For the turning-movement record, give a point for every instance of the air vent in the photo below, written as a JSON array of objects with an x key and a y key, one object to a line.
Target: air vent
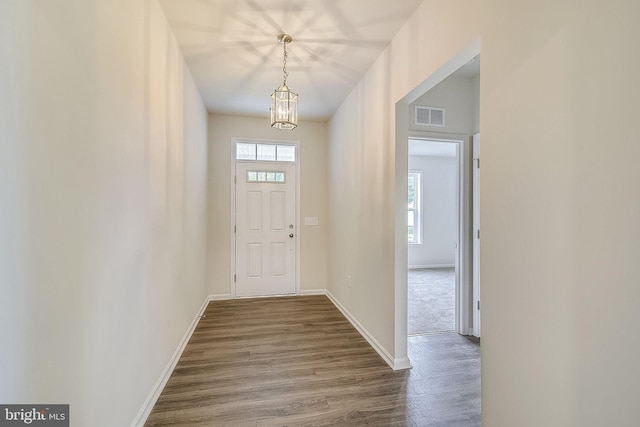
[{"x": 429, "y": 116}]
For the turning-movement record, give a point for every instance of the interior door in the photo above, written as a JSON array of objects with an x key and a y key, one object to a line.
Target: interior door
[{"x": 265, "y": 229}]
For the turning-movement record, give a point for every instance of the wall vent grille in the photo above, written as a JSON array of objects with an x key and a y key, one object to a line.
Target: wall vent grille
[{"x": 429, "y": 116}]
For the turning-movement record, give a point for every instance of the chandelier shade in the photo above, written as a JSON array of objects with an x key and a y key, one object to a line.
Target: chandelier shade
[
  {"x": 284, "y": 108},
  {"x": 284, "y": 102}
]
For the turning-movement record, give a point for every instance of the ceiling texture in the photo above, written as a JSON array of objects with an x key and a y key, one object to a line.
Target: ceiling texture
[{"x": 232, "y": 50}]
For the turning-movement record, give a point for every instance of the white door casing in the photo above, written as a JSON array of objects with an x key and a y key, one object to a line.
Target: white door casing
[
  {"x": 476, "y": 235},
  {"x": 265, "y": 229}
]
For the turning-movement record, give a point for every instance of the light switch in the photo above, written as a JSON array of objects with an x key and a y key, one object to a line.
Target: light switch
[{"x": 310, "y": 220}]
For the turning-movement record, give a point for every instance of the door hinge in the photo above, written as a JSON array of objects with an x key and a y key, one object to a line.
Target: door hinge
[
  {"x": 235, "y": 179},
  {"x": 478, "y": 163},
  {"x": 478, "y": 304},
  {"x": 234, "y": 278},
  {"x": 478, "y": 233},
  {"x": 234, "y": 229}
]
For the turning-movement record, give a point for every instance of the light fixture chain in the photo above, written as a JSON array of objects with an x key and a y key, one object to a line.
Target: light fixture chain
[{"x": 284, "y": 64}]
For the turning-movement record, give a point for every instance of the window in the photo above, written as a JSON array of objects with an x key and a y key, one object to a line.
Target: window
[
  {"x": 414, "y": 218},
  {"x": 265, "y": 152},
  {"x": 266, "y": 176},
  {"x": 245, "y": 151}
]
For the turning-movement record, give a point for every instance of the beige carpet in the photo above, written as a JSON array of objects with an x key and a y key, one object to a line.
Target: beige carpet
[{"x": 432, "y": 300}]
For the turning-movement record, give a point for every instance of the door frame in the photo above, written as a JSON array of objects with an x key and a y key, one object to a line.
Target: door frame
[
  {"x": 462, "y": 261},
  {"x": 232, "y": 218},
  {"x": 476, "y": 179},
  {"x": 400, "y": 130}
]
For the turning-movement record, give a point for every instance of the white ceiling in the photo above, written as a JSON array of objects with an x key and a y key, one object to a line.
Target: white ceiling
[{"x": 232, "y": 50}]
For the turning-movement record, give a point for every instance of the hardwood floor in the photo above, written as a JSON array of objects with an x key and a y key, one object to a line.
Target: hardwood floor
[{"x": 298, "y": 362}]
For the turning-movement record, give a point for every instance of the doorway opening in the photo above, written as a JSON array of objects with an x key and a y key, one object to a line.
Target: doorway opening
[
  {"x": 445, "y": 107},
  {"x": 433, "y": 277}
]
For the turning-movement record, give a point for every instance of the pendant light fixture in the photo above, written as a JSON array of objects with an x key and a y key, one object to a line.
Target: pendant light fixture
[{"x": 284, "y": 103}]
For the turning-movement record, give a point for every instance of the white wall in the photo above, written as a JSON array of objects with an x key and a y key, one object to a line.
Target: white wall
[
  {"x": 367, "y": 171},
  {"x": 313, "y": 193},
  {"x": 456, "y": 96},
  {"x": 103, "y": 221},
  {"x": 439, "y": 212},
  {"x": 560, "y": 206},
  {"x": 559, "y": 104}
]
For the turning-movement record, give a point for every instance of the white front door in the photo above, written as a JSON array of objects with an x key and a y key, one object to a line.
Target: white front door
[{"x": 265, "y": 229}]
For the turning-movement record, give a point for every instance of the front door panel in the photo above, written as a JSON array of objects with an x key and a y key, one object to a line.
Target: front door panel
[{"x": 265, "y": 229}]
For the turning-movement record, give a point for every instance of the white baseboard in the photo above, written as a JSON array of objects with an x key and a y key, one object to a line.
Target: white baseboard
[
  {"x": 148, "y": 405},
  {"x": 415, "y": 267},
  {"x": 400, "y": 364},
  {"x": 313, "y": 292},
  {"x": 393, "y": 363},
  {"x": 220, "y": 297}
]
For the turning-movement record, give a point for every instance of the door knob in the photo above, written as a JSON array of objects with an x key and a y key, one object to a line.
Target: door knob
[{"x": 291, "y": 235}]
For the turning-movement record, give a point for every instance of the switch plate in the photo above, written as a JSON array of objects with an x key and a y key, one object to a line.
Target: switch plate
[{"x": 310, "y": 220}]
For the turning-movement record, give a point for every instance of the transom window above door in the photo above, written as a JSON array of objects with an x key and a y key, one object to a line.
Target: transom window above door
[{"x": 265, "y": 152}]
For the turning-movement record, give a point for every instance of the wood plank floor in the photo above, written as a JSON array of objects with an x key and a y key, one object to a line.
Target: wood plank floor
[{"x": 298, "y": 362}]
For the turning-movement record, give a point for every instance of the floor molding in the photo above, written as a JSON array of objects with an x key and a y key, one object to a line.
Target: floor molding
[
  {"x": 418, "y": 267},
  {"x": 393, "y": 363},
  {"x": 148, "y": 405},
  {"x": 313, "y": 292},
  {"x": 220, "y": 297}
]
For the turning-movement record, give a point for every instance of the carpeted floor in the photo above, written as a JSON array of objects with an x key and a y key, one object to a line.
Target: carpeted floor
[{"x": 432, "y": 300}]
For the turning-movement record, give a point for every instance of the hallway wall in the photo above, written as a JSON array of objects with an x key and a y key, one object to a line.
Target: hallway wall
[
  {"x": 559, "y": 102},
  {"x": 367, "y": 172},
  {"x": 103, "y": 161},
  {"x": 560, "y": 205},
  {"x": 313, "y": 193}
]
